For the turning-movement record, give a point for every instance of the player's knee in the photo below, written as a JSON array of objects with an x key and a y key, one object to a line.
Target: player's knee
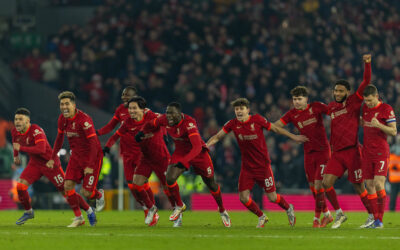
[
  {"x": 272, "y": 198},
  {"x": 86, "y": 193},
  {"x": 243, "y": 199},
  {"x": 326, "y": 183},
  {"x": 170, "y": 180}
]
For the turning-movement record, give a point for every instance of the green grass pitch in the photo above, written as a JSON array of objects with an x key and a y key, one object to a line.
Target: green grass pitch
[{"x": 200, "y": 230}]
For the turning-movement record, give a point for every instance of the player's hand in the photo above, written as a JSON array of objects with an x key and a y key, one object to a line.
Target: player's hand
[
  {"x": 300, "y": 138},
  {"x": 16, "y": 146},
  {"x": 17, "y": 161},
  {"x": 106, "y": 150},
  {"x": 50, "y": 164},
  {"x": 375, "y": 123},
  {"x": 139, "y": 136},
  {"x": 367, "y": 58}
]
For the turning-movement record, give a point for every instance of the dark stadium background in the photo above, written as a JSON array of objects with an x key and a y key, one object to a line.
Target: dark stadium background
[{"x": 202, "y": 53}]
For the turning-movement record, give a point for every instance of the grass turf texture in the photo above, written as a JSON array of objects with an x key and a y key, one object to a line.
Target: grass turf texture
[{"x": 200, "y": 230}]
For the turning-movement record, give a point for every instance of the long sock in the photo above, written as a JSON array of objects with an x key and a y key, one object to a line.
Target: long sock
[
  {"x": 23, "y": 196},
  {"x": 253, "y": 207},
  {"x": 281, "y": 202},
  {"x": 373, "y": 201},
  {"x": 95, "y": 195},
  {"x": 73, "y": 201},
  {"x": 135, "y": 194},
  {"x": 317, "y": 209},
  {"x": 149, "y": 192},
  {"x": 82, "y": 203},
  {"x": 381, "y": 203},
  {"x": 174, "y": 191},
  {"x": 365, "y": 201},
  {"x": 170, "y": 198},
  {"x": 332, "y": 197},
  {"x": 320, "y": 202},
  {"x": 143, "y": 195},
  {"x": 218, "y": 198}
]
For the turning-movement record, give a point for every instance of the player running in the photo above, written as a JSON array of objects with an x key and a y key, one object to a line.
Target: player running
[
  {"x": 346, "y": 150},
  {"x": 256, "y": 164},
  {"x": 307, "y": 118},
  {"x": 31, "y": 139},
  {"x": 379, "y": 121},
  {"x": 154, "y": 156},
  {"x": 190, "y": 150},
  {"x": 86, "y": 158}
]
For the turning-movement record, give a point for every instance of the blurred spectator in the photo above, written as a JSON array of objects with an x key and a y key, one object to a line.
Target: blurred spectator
[{"x": 51, "y": 70}]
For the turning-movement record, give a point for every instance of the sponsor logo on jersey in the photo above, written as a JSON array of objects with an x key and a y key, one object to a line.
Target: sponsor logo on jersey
[
  {"x": 338, "y": 113},
  {"x": 247, "y": 137}
]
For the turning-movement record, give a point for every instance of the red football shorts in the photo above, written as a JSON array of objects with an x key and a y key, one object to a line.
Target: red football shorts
[
  {"x": 34, "y": 171},
  {"x": 348, "y": 159},
  {"x": 157, "y": 164},
  {"x": 76, "y": 172},
  {"x": 375, "y": 167},
  {"x": 264, "y": 178},
  {"x": 202, "y": 164},
  {"x": 315, "y": 164}
]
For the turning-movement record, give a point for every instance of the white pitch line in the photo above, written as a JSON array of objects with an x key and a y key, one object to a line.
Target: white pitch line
[{"x": 203, "y": 236}]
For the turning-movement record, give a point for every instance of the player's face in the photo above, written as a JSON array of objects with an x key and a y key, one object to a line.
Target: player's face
[
  {"x": 67, "y": 107},
  {"x": 127, "y": 94},
  {"x": 242, "y": 113},
  {"x": 300, "y": 102},
  {"x": 135, "y": 111},
  {"x": 173, "y": 116},
  {"x": 340, "y": 93},
  {"x": 371, "y": 100},
  {"x": 21, "y": 123}
]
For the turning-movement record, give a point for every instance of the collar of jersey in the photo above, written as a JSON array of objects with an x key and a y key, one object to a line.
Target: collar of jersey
[
  {"x": 246, "y": 120},
  {"x": 379, "y": 104},
  {"x": 299, "y": 111},
  {"x": 76, "y": 112},
  {"x": 25, "y": 131}
]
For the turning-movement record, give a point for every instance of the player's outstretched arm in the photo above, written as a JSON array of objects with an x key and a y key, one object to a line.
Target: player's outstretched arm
[
  {"x": 196, "y": 142},
  {"x": 39, "y": 148},
  {"x": 216, "y": 138},
  {"x": 279, "y": 124},
  {"x": 108, "y": 127},
  {"x": 367, "y": 75},
  {"x": 296, "y": 138},
  {"x": 389, "y": 129}
]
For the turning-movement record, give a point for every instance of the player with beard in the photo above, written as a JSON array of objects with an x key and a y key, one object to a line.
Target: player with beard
[{"x": 346, "y": 150}]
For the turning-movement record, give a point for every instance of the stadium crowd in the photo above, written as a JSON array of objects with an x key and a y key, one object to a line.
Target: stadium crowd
[{"x": 206, "y": 53}]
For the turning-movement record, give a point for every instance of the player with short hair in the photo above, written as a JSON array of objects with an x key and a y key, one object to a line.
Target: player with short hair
[
  {"x": 190, "y": 150},
  {"x": 31, "y": 139},
  {"x": 346, "y": 151},
  {"x": 154, "y": 155},
  {"x": 256, "y": 164},
  {"x": 307, "y": 118},
  {"x": 86, "y": 158},
  {"x": 379, "y": 121}
]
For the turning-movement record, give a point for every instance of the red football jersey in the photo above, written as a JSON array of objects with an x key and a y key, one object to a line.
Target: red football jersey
[
  {"x": 375, "y": 140},
  {"x": 79, "y": 130},
  {"x": 152, "y": 145},
  {"x": 310, "y": 123},
  {"x": 35, "y": 144},
  {"x": 345, "y": 117},
  {"x": 251, "y": 140}
]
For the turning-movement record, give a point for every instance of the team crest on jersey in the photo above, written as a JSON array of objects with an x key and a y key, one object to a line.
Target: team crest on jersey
[
  {"x": 87, "y": 125},
  {"x": 191, "y": 126},
  {"x": 391, "y": 114},
  {"x": 178, "y": 131},
  {"x": 252, "y": 127},
  {"x": 133, "y": 128},
  {"x": 311, "y": 112},
  {"x": 36, "y": 132},
  {"x": 73, "y": 125},
  {"x": 376, "y": 114},
  {"x": 240, "y": 137},
  {"x": 27, "y": 140}
]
